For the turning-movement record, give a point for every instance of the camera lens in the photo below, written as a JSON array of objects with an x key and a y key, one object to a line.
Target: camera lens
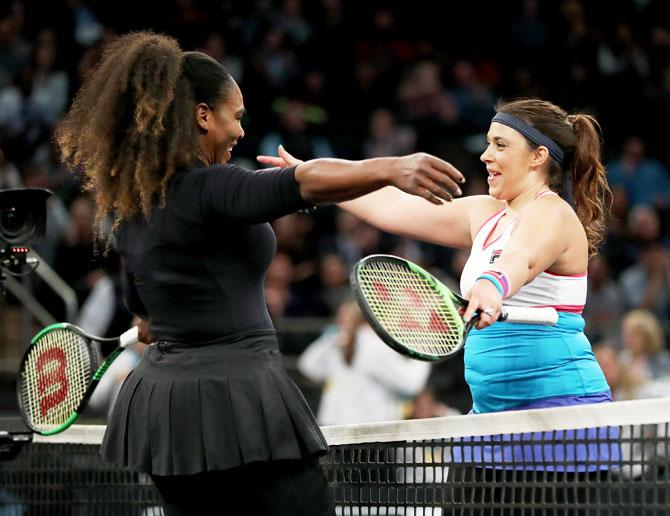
[
  {"x": 14, "y": 224},
  {"x": 23, "y": 215}
]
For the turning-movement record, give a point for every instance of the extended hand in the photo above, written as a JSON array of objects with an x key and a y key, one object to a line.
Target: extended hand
[
  {"x": 144, "y": 332},
  {"x": 283, "y": 160},
  {"x": 427, "y": 176},
  {"x": 485, "y": 299}
]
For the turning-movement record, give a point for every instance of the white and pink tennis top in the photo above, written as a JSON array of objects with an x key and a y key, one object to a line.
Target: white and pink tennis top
[{"x": 562, "y": 292}]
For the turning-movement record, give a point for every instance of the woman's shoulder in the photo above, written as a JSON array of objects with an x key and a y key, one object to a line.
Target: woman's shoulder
[
  {"x": 198, "y": 173},
  {"x": 549, "y": 208},
  {"x": 482, "y": 208}
]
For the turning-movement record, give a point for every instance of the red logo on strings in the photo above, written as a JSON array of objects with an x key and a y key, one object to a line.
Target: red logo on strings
[
  {"x": 413, "y": 300},
  {"x": 51, "y": 370},
  {"x": 381, "y": 291}
]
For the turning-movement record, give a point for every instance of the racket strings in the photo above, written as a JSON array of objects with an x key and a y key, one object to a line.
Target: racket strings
[
  {"x": 54, "y": 379},
  {"x": 410, "y": 309}
]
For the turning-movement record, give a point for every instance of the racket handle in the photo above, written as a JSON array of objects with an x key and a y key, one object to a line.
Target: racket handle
[
  {"x": 528, "y": 315},
  {"x": 129, "y": 337}
]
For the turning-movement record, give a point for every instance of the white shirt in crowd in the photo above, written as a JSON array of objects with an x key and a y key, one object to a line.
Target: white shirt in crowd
[{"x": 374, "y": 387}]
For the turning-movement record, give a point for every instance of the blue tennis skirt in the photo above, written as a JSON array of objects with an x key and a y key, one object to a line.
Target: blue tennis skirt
[
  {"x": 510, "y": 366},
  {"x": 578, "y": 450}
]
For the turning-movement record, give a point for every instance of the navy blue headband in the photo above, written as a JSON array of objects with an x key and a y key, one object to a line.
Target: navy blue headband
[{"x": 531, "y": 133}]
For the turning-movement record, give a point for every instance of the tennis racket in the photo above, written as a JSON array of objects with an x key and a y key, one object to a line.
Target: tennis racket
[
  {"x": 415, "y": 314},
  {"x": 59, "y": 372}
]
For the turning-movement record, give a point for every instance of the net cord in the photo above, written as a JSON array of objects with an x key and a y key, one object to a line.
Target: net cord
[
  {"x": 618, "y": 413},
  {"x": 635, "y": 412}
]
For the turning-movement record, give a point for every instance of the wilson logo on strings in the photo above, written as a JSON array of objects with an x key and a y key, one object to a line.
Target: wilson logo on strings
[
  {"x": 52, "y": 380},
  {"x": 409, "y": 300}
]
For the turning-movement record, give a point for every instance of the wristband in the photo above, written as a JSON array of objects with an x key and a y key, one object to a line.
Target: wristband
[
  {"x": 494, "y": 280},
  {"x": 502, "y": 279}
]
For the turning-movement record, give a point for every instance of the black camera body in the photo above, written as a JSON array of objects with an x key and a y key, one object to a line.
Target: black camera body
[
  {"x": 23, "y": 215},
  {"x": 23, "y": 220}
]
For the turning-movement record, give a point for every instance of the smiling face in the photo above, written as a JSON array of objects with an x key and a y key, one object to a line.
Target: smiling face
[
  {"x": 221, "y": 126},
  {"x": 509, "y": 161}
]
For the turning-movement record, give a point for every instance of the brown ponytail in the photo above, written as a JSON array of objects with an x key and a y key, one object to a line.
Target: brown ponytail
[
  {"x": 578, "y": 136},
  {"x": 590, "y": 191}
]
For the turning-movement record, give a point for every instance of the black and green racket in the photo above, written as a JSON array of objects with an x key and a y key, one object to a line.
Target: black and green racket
[
  {"x": 415, "y": 314},
  {"x": 59, "y": 372}
]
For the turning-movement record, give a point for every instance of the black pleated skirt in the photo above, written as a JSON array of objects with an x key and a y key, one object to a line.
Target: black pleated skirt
[{"x": 185, "y": 410}]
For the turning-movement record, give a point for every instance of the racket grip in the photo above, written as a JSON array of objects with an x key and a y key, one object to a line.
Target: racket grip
[
  {"x": 129, "y": 337},
  {"x": 527, "y": 315}
]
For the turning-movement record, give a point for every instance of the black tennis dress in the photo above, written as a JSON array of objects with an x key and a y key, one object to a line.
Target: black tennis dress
[{"x": 212, "y": 394}]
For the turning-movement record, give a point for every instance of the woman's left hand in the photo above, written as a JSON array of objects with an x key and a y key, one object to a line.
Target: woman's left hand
[
  {"x": 486, "y": 299},
  {"x": 283, "y": 160}
]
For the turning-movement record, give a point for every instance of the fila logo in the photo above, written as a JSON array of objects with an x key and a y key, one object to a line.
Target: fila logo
[{"x": 495, "y": 255}]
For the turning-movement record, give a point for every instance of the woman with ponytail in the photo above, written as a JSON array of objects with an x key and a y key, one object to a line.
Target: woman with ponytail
[
  {"x": 210, "y": 412},
  {"x": 529, "y": 247}
]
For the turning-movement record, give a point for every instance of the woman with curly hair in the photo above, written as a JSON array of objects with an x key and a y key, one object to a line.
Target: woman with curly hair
[{"x": 210, "y": 412}]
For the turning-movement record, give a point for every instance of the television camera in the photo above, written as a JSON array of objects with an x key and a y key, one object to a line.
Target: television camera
[{"x": 23, "y": 215}]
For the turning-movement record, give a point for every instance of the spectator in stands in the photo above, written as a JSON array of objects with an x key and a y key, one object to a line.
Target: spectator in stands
[
  {"x": 364, "y": 379},
  {"x": 647, "y": 284},
  {"x": 473, "y": 97},
  {"x": 9, "y": 174},
  {"x": 387, "y": 138},
  {"x": 603, "y": 300},
  {"x": 75, "y": 259},
  {"x": 354, "y": 238},
  {"x": 51, "y": 84},
  {"x": 215, "y": 47},
  {"x": 291, "y": 20},
  {"x": 644, "y": 352},
  {"x": 426, "y": 404},
  {"x": 22, "y": 121},
  {"x": 278, "y": 280},
  {"x": 295, "y": 131},
  {"x": 58, "y": 216},
  {"x": 334, "y": 280},
  {"x": 644, "y": 180},
  {"x": 14, "y": 49}
]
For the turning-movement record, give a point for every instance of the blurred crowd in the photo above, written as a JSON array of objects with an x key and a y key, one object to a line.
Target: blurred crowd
[{"x": 363, "y": 79}]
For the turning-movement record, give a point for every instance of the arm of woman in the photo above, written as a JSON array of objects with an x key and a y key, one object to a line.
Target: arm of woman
[
  {"x": 403, "y": 210},
  {"x": 449, "y": 225},
  {"x": 543, "y": 233},
  {"x": 335, "y": 180},
  {"x": 233, "y": 192}
]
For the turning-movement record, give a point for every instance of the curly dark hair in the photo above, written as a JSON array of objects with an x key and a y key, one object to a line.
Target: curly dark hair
[
  {"x": 578, "y": 135},
  {"x": 132, "y": 124}
]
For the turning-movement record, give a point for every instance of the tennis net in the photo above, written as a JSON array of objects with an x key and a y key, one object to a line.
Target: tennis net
[{"x": 606, "y": 459}]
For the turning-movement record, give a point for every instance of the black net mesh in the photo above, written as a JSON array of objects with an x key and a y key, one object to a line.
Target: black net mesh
[{"x": 384, "y": 469}]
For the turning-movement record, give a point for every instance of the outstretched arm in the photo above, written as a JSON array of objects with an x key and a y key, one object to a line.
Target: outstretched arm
[
  {"x": 334, "y": 180},
  {"x": 545, "y": 232},
  {"x": 403, "y": 210}
]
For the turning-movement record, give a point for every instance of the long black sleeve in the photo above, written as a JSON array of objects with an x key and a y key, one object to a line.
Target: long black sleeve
[
  {"x": 130, "y": 295},
  {"x": 235, "y": 193},
  {"x": 197, "y": 266}
]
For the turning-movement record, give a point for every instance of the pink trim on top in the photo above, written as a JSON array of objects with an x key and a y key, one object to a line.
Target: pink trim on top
[
  {"x": 487, "y": 221},
  {"x": 486, "y": 244},
  {"x": 574, "y": 309},
  {"x": 546, "y": 192},
  {"x": 580, "y": 275}
]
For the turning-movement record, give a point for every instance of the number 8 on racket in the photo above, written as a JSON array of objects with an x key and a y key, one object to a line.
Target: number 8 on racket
[
  {"x": 59, "y": 372},
  {"x": 417, "y": 315}
]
